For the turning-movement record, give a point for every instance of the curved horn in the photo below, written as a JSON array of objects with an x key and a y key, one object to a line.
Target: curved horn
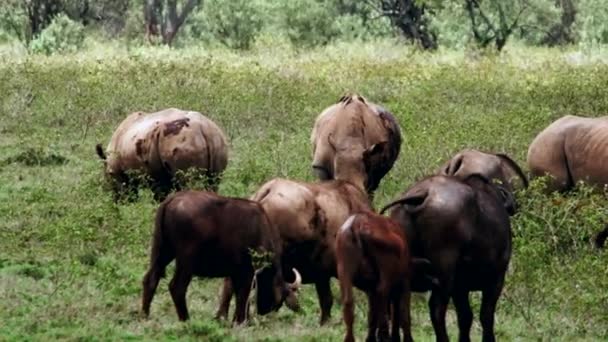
[
  {"x": 296, "y": 283},
  {"x": 515, "y": 167}
]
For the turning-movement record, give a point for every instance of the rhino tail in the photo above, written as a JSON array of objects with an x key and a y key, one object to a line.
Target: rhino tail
[
  {"x": 100, "y": 152},
  {"x": 514, "y": 167}
]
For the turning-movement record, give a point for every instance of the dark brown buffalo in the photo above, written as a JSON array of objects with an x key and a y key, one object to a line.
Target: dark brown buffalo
[
  {"x": 213, "y": 236},
  {"x": 372, "y": 254},
  {"x": 308, "y": 216},
  {"x": 490, "y": 165},
  {"x": 356, "y": 141},
  {"x": 160, "y": 144},
  {"x": 463, "y": 228}
]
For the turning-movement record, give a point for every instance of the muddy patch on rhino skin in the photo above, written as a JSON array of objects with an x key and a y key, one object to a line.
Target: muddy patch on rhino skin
[{"x": 175, "y": 126}]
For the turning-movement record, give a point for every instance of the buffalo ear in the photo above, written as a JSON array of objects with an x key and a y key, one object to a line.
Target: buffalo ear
[
  {"x": 375, "y": 149},
  {"x": 508, "y": 200}
]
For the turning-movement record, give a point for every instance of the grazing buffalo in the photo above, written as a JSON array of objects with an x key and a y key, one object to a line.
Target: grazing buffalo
[
  {"x": 213, "y": 236},
  {"x": 308, "y": 216},
  {"x": 490, "y": 165},
  {"x": 571, "y": 149},
  {"x": 463, "y": 228},
  {"x": 355, "y": 140},
  {"x": 372, "y": 254},
  {"x": 159, "y": 144}
]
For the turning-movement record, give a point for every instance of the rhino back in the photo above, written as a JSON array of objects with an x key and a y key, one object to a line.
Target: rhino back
[
  {"x": 191, "y": 140},
  {"x": 586, "y": 149}
]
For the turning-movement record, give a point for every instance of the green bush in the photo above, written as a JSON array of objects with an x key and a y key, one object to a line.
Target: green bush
[
  {"x": 233, "y": 23},
  {"x": 592, "y": 22},
  {"x": 61, "y": 36},
  {"x": 310, "y": 23}
]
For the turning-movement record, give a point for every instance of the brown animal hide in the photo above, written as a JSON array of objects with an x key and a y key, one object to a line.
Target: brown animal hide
[
  {"x": 356, "y": 141},
  {"x": 162, "y": 143}
]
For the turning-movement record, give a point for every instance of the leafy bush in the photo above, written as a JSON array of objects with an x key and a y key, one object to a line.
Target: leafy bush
[
  {"x": 592, "y": 22},
  {"x": 233, "y": 23},
  {"x": 61, "y": 36},
  {"x": 309, "y": 23}
]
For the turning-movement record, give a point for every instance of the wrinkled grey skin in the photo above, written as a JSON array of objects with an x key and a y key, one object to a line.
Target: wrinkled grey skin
[
  {"x": 570, "y": 150},
  {"x": 493, "y": 166},
  {"x": 355, "y": 141}
]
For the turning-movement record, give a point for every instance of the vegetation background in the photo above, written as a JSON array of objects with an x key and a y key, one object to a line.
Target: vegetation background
[{"x": 464, "y": 73}]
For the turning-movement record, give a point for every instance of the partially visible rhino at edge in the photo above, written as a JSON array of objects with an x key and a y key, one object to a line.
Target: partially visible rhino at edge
[
  {"x": 571, "y": 149},
  {"x": 356, "y": 141},
  {"x": 159, "y": 144}
]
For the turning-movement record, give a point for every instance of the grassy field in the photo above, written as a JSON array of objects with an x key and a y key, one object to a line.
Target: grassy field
[{"x": 71, "y": 260}]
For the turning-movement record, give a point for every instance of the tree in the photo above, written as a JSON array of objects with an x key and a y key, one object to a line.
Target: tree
[
  {"x": 162, "y": 18},
  {"x": 561, "y": 33},
  {"x": 27, "y": 18},
  {"x": 496, "y": 21},
  {"x": 409, "y": 16}
]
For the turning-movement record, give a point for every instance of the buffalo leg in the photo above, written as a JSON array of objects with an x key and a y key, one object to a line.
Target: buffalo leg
[
  {"x": 372, "y": 317},
  {"x": 242, "y": 288},
  {"x": 401, "y": 316},
  {"x": 348, "y": 310},
  {"x": 325, "y": 299},
  {"x": 488, "y": 308},
  {"x": 178, "y": 287},
  {"x": 225, "y": 298},
  {"x": 438, "y": 304},
  {"x": 152, "y": 277},
  {"x": 465, "y": 315},
  {"x": 382, "y": 309}
]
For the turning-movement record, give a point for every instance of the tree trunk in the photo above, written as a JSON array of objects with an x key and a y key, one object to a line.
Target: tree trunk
[
  {"x": 40, "y": 14},
  {"x": 409, "y": 18},
  {"x": 561, "y": 33},
  {"x": 166, "y": 25}
]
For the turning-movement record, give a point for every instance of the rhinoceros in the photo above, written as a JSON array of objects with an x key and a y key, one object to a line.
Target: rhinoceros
[
  {"x": 159, "y": 144},
  {"x": 355, "y": 140},
  {"x": 571, "y": 149}
]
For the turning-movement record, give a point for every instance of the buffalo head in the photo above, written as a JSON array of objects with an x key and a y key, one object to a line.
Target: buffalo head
[{"x": 273, "y": 291}]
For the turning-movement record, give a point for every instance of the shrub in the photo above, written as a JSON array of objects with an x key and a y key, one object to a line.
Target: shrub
[
  {"x": 233, "y": 23},
  {"x": 61, "y": 36},
  {"x": 309, "y": 23}
]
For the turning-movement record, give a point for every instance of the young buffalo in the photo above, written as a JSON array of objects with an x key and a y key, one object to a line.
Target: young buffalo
[
  {"x": 463, "y": 228},
  {"x": 213, "y": 236},
  {"x": 372, "y": 254}
]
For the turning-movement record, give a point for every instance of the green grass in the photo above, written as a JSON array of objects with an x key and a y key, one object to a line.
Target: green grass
[{"x": 71, "y": 260}]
